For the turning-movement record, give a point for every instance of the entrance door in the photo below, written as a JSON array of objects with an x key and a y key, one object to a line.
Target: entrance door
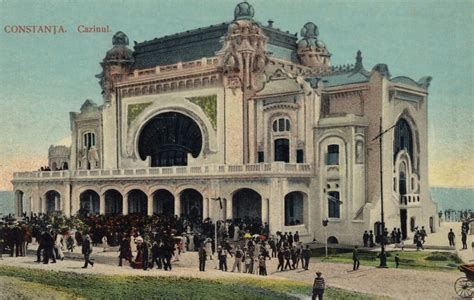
[{"x": 403, "y": 223}]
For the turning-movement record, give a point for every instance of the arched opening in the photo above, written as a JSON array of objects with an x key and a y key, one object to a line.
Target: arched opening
[
  {"x": 137, "y": 202},
  {"x": 282, "y": 150},
  {"x": 53, "y": 201},
  {"x": 113, "y": 202},
  {"x": 163, "y": 203},
  {"x": 403, "y": 139},
  {"x": 332, "y": 240},
  {"x": 294, "y": 209},
  {"x": 168, "y": 138},
  {"x": 65, "y": 166},
  {"x": 191, "y": 205},
  {"x": 247, "y": 205},
  {"x": 89, "y": 202},
  {"x": 54, "y": 166}
]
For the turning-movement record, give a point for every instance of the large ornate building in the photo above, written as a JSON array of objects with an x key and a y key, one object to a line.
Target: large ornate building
[{"x": 241, "y": 119}]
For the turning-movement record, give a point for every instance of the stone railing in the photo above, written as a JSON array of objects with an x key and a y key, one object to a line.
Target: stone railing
[
  {"x": 200, "y": 63},
  {"x": 410, "y": 199},
  {"x": 250, "y": 170}
]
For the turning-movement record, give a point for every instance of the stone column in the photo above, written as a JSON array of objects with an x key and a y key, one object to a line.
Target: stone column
[
  {"x": 102, "y": 204},
  {"x": 228, "y": 209},
  {"x": 177, "y": 205},
  {"x": 205, "y": 208},
  {"x": 125, "y": 205},
  {"x": 66, "y": 202},
  {"x": 265, "y": 207},
  {"x": 149, "y": 205},
  {"x": 43, "y": 204}
]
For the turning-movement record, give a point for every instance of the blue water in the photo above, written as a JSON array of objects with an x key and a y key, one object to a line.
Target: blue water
[{"x": 447, "y": 198}]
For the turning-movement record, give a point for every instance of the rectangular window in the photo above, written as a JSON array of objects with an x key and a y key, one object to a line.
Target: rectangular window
[
  {"x": 334, "y": 210},
  {"x": 333, "y": 155},
  {"x": 299, "y": 156},
  {"x": 261, "y": 157}
]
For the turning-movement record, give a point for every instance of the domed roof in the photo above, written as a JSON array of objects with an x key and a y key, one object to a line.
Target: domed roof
[
  {"x": 309, "y": 30},
  {"x": 243, "y": 10},
  {"x": 119, "y": 52}
]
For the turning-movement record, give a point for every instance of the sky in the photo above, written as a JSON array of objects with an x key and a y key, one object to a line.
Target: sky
[{"x": 43, "y": 77}]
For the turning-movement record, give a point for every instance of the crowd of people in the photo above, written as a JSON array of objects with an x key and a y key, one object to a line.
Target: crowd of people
[{"x": 452, "y": 215}]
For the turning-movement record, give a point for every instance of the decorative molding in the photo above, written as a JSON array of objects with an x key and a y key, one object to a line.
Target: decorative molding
[
  {"x": 209, "y": 105},
  {"x": 133, "y": 110}
]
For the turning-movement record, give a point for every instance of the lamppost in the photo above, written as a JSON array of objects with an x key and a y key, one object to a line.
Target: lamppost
[
  {"x": 383, "y": 256},
  {"x": 217, "y": 221},
  {"x": 325, "y": 224}
]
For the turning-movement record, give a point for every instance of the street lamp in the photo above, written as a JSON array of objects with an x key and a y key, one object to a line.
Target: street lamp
[{"x": 383, "y": 256}]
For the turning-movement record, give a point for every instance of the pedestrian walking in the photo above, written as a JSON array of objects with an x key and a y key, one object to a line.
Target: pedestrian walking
[
  {"x": 202, "y": 258},
  {"x": 104, "y": 243},
  {"x": 371, "y": 239},
  {"x": 86, "y": 251},
  {"x": 318, "y": 287},
  {"x": 464, "y": 239},
  {"x": 451, "y": 237},
  {"x": 365, "y": 239},
  {"x": 355, "y": 259},
  {"x": 306, "y": 257},
  {"x": 222, "y": 256},
  {"x": 397, "y": 261}
]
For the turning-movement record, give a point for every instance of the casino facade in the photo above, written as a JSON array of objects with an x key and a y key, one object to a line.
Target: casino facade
[{"x": 241, "y": 119}]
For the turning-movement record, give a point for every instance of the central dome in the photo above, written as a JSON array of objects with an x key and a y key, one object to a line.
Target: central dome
[{"x": 243, "y": 10}]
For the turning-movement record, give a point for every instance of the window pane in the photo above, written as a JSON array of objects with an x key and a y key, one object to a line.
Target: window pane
[
  {"x": 333, "y": 155},
  {"x": 333, "y": 205},
  {"x": 275, "y": 125},
  {"x": 288, "y": 125},
  {"x": 261, "y": 157},
  {"x": 299, "y": 156},
  {"x": 281, "y": 125}
]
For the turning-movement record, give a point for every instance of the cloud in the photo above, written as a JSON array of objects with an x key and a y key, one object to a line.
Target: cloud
[
  {"x": 452, "y": 172},
  {"x": 65, "y": 141},
  {"x": 19, "y": 164}
]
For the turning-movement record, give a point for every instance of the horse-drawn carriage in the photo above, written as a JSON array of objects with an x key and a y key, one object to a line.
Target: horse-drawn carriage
[{"x": 464, "y": 285}]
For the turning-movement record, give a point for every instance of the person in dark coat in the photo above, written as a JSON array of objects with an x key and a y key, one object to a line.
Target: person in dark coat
[
  {"x": 306, "y": 257},
  {"x": 397, "y": 261},
  {"x": 155, "y": 255},
  {"x": 144, "y": 247},
  {"x": 167, "y": 250},
  {"x": 125, "y": 251},
  {"x": 18, "y": 240},
  {"x": 371, "y": 239},
  {"x": 2, "y": 240},
  {"x": 281, "y": 259},
  {"x": 355, "y": 259},
  {"x": 202, "y": 258},
  {"x": 86, "y": 251},
  {"x": 48, "y": 242},
  {"x": 451, "y": 237},
  {"x": 365, "y": 239},
  {"x": 464, "y": 239},
  {"x": 287, "y": 256}
]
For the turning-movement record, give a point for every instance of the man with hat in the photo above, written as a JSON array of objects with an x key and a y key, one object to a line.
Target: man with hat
[{"x": 318, "y": 287}]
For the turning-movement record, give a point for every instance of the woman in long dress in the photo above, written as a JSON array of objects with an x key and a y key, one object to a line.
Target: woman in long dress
[{"x": 208, "y": 246}]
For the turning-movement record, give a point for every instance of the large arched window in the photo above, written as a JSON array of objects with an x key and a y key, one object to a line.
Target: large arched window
[
  {"x": 294, "y": 209},
  {"x": 168, "y": 138},
  {"x": 403, "y": 139},
  {"x": 281, "y": 125},
  {"x": 89, "y": 140}
]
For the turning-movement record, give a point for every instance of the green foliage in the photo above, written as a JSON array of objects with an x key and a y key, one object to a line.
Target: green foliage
[
  {"x": 440, "y": 261},
  {"x": 209, "y": 105},
  {"x": 134, "y": 110},
  {"x": 90, "y": 286}
]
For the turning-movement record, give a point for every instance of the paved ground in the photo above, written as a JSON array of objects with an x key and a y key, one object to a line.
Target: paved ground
[
  {"x": 441, "y": 239},
  {"x": 393, "y": 283}
]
